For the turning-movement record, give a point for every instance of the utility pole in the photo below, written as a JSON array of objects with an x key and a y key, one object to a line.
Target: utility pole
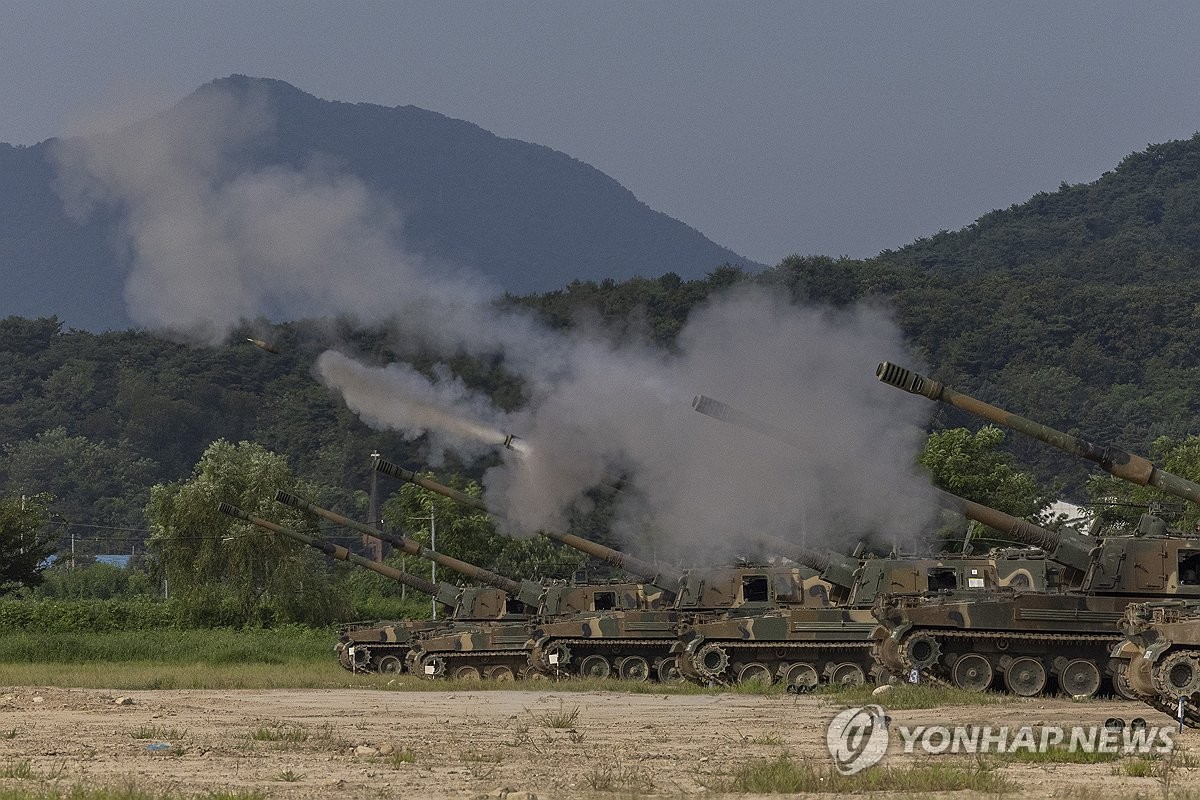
[
  {"x": 370, "y": 544},
  {"x": 432, "y": 520}
]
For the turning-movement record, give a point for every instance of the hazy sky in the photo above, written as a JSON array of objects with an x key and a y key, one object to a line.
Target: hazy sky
[{"x": 773, "y": 128}]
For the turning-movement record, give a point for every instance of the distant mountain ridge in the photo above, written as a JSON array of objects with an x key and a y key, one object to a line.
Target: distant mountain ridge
[
  {"x": 528, "y": 217},
  {"x": 1137, "y": 223}
]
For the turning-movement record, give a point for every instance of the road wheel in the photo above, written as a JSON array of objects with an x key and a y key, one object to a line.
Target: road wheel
[
  {"x": 391, "y": 664},
  {"x": 754, "y": 672},
  {"x": 668, "y": 671},
  {"x": 800, "y": 677},
  {"x": 500, "y": 673},
  {"x": 634, "y": 668},
  {"x": 1080, "y": 678},
  {"x": 465, "y": 672},
  {"x": 847, "y": 674},
  {"x": 972, "y": 672},
  {"x": 1025, "y": 676},
  {"x": 595, "y": 666}
]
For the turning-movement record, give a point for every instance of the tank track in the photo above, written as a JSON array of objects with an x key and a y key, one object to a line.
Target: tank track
[
  {"x": 783, "y": 653},
  {"x": 447, "y": 662},
  {"x": 611, "y": 647},
  {"x": 935, "y": 674},
  {"x": 376, "y": 653},
  {"x": 1165, "y": 699},
  {"x": 1191, "y": 709}
]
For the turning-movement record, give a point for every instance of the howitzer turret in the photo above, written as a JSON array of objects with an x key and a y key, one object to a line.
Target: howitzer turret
[
  {"x": 1066, "y": 546},
  {"x": 527, "y": 592},
  {"x": 444, "y": 593},
  {"x": 835, "y": 568},
  {"x": 384, "y": 647},
  {"x": 661, "y": 577},
  {"x": 1126, "y": 466}
]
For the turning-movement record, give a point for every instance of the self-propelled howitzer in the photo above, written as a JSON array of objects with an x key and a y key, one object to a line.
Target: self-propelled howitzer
[
  {"x": 806, "y": 644},
  {"x": 1161, "y": 654},
  {"x": 382, "y": 648},
  {"x": 461, "y": 654},
  {"x": 1032, "y": 640},
  {"x": 1010, "y": 635},
  {"x": 635, "y": 643},
  {"x": 738, "y": 624}
]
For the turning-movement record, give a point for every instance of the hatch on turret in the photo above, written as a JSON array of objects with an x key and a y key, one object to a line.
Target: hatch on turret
[
  {"x": 788, "y": 590},
  {"x": 755, "y": 589},
  {"x": 943, "y": 579},
  {"x": 1150, "y": 567},
  {"x": 1189, "y": 567},
  {"x": 515, "y": 607}
]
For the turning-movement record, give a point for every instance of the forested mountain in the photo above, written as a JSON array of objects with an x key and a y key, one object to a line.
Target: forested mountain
[
  {"x": 1078, "y": 308},
  {"x": 528, "y": 217}
]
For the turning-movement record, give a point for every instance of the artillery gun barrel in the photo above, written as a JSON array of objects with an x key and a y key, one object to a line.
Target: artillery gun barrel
[
  {"x": 664, "y": 578},
  {"x": 408, "y": 476},
  {"x": 1126, "y": 466},
  {"x": 340, "y": 553},
  {"x": 734, "y": 416},
  {"x": 406, "y": 544},
  {"x": 833, "y": 567},
  {"x": 1066, "y": 546}
]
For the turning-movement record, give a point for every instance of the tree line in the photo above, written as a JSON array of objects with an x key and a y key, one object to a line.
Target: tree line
[{"x": 1077, "y": 309}]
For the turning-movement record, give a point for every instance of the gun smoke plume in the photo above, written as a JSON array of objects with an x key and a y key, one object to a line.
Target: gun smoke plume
[{"x": 213, "y": 240}]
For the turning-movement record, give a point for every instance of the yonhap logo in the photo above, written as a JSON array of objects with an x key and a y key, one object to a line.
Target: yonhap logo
[{"x": 857, "y": 738}]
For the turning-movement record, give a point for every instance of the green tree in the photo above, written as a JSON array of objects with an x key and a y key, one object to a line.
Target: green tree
[
  {"x": 462, "y": 532},
  {"x": 470, "y": 534},
  {"x": 224, "y": 571},
  {"x": 971, "y": 465},
  {"x": 95, "y": 483},
  {"x": 95, "y": 581},
  {"x": 24, "y": 544},
  {"x": 1120, "y": 503}
]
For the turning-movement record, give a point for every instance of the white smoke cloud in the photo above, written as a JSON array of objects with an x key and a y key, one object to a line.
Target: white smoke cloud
[
  {"x": 213, "y": 241},
  {"x": 398, "y": 397},
  {"x": 695, "y": 486},
  {"x": 699, "y": 483}
]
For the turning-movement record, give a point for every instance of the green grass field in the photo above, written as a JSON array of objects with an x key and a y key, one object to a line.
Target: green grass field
[
  {"x": 286, "y": 658},
  {"x": 302, "y": 658}
]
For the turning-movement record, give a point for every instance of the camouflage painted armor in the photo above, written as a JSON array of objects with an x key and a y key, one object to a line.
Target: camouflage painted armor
[
  {"x": 500, "y": 651},
  {"x": 638, "y": 644},
  {"x": 1031, "y": 643},
  {"x": 829, "y": 638},
  {"x": 1161, "y": 656}
]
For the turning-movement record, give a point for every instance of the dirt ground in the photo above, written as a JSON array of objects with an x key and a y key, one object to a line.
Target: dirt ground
[{"x": 357, "y": 743}]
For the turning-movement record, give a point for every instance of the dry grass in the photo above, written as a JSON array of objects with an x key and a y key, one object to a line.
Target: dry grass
[
  {"x": 906, "y": 697},
  {"x": 785, "y": 775}
]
